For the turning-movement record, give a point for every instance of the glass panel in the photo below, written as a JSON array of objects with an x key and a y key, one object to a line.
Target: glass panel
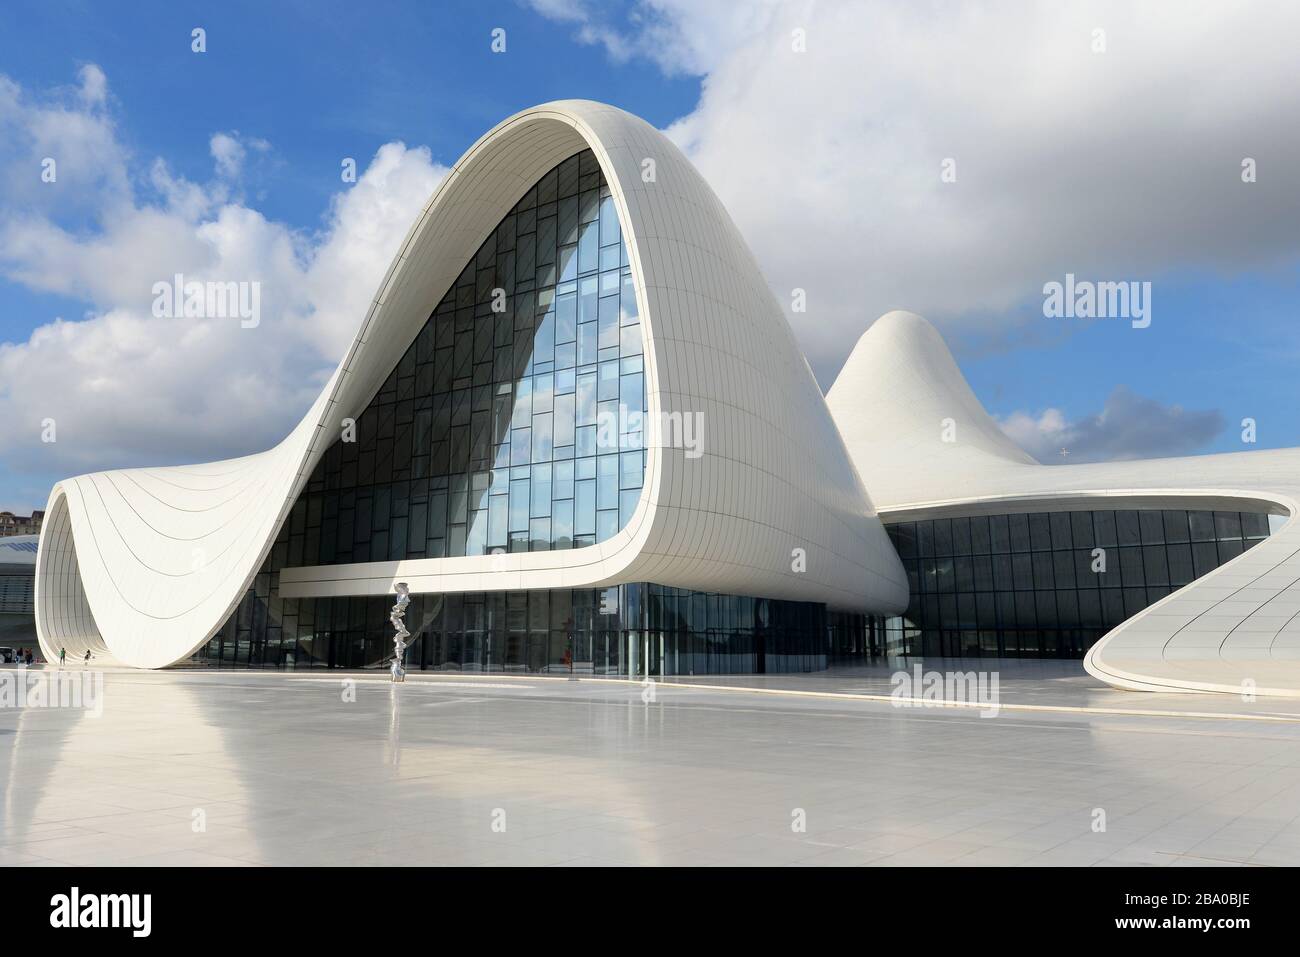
[
  {"x": 1041, "y": 601},
  {"x": 476, "y": 391}
]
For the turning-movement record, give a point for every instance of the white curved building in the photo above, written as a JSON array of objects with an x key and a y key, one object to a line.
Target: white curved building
[
  {"x": 572, "y": 314},
  {"x": 575, "y": 421},
  {"x": 929, "y": 452}
]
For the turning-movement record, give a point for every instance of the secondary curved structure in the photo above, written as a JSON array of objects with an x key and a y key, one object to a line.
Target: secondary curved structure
[{"x": 928, "y": 450}]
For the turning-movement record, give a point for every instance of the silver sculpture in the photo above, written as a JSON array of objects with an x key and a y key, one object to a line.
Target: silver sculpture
[{"x": 399, "y": 639}]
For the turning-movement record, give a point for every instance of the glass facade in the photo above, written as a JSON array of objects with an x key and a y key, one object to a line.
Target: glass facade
[
  {"x": 513, "y": 422},
  {"x": 634, "y": 629},
  {"x": 1030, "y": 585}
]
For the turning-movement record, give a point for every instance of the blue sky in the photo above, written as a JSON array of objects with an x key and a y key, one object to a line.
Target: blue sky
[
  {"x": 317, "y": 79},
  {"x": 1067, "y": 161}
]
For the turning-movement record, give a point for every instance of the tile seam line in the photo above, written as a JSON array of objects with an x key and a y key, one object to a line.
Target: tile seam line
[{"x": 791, "y": 692}]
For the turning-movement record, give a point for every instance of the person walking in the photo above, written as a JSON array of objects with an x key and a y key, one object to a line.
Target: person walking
[
  {"x": 85, "y": 661},
  {"x": 63, "y": 656}
]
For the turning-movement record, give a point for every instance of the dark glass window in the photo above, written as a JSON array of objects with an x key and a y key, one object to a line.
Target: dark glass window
[
  {"x": 943, "y": 537},
  {"x": 1229, "y": 548},
  {"x": 1202, "y": 526},
  {"x": 1205, "y": 558},
  {"x": 1081, "y": 530},
  {"x": 1000, "y": 534},
  {"x": 1019, "y": 532},
  {"x": 1152, "y": 527},
  {"x": 1254, "y": 525},
  {"x": 961, "y": 537},
  {"x": 1104, "y": 524},
  {"x": 1035, "y": 591},
  {"x": 1175, "y": 525},
  {"x": 1181, "y": 568},
  {"x": 1128, "y": 528},
  {"x": 1227, "y": 525},
  {"x": 1155, "y": 565},
  {"x": 1040, "y": 534},
  {"x": 1130, "y": 566},
  {"x": 1060, "y": 529},
  {"x": 904, "y": 537}
]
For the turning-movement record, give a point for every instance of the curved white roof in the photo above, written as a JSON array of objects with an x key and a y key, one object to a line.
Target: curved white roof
[
  {"x": 1236, "y": 628},
  {"x": 144, "y": 565}
]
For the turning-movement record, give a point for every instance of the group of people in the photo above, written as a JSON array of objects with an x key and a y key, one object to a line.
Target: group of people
[
  {"x": 63, "y": 657},
  {"x": 24, "y": 656}
]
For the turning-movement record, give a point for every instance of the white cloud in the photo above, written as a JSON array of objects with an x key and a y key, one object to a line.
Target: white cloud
[
  {"x": 1129, "y": 426},
  {"x": 1117, "y": 165},
  {"x": 229, "y": 154},
  {"x": 230, "y": 151},
  {"x": 681, "y": 36},
  {"x": 126, "y": 388},
  {"x": 94, "y": 85},
  {"x": 70, "y": 127}
]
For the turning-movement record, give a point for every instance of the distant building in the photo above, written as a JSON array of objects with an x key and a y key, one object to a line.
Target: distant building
[
  {"x": 17, "y": 577},
  {"x": 11, "y": 524}
]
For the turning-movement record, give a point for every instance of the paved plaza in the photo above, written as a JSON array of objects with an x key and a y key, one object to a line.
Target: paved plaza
[{"x": 234, "y": 768}]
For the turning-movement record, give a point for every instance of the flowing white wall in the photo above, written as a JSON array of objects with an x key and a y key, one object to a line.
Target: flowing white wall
[{"x": 144, "y": 565}]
